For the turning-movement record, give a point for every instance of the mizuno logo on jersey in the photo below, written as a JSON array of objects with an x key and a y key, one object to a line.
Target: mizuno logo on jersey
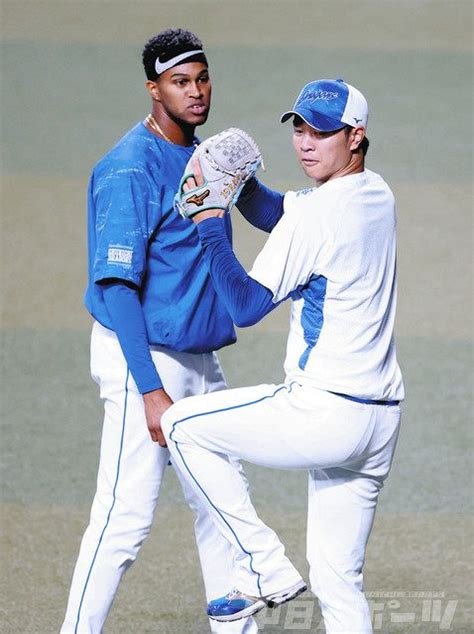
[
  {"x": 119, "y": 255},
  {"x": 198, "y": 200}
]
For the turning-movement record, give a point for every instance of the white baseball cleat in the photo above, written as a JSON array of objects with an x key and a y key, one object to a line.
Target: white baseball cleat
[{"x": 237, "y": 605}]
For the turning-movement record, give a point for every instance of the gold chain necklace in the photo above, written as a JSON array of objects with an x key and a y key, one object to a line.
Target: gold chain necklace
[{"x": 150, "y": 119}]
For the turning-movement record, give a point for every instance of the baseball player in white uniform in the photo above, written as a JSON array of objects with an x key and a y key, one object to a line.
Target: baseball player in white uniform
[{"x": 332, "y": 252}]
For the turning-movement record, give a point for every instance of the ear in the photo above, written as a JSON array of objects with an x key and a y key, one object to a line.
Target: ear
[
  {"x": 153, "y": 90},
  {"x": 356, "y": 137}
]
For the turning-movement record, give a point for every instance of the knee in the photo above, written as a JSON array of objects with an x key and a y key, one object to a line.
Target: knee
[
  {"x": 330, "y": 578},
  {"x": 167, "y": 422},
  {"x": 127, "y": 528},
  {"x": 173, "y": 415}
]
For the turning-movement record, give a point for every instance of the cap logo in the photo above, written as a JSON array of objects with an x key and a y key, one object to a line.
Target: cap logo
[{"x": 317, "y": 95}]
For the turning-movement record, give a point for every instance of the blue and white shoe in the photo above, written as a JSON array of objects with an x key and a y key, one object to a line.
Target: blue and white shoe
[{"x": 237, "y": 605}]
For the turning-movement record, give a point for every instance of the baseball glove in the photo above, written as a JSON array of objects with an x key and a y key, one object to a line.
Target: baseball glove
[{"x": 228, "y": 160}]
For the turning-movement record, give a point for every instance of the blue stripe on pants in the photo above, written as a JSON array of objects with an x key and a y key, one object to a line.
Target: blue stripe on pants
[{"x": 112, "y": 506}]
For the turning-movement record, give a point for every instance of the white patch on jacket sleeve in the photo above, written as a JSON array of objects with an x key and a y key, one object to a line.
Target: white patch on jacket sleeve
[{"x": 119, "y": 255}]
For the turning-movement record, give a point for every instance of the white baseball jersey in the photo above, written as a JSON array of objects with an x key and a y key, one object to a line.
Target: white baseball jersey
[{"x": 334, "y": 253}]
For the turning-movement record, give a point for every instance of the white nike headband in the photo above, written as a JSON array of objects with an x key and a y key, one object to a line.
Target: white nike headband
[{"x": 161, "y": 67}]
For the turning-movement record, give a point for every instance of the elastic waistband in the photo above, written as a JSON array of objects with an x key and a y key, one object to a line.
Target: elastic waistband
[{"x": 366, "y": 401}]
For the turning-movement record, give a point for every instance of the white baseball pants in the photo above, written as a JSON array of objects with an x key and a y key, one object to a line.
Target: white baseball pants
[
  {"x": 130, "y": 473},
  {"x": 347, "y": 448}
]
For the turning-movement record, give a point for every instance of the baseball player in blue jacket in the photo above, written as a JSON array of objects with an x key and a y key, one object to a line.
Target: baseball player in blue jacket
[
  {"x": 157, "y": 324},
  {"x": 332, "y": 252}
]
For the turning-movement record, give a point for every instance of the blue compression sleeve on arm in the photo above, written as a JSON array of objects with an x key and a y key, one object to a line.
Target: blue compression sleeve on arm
[
  {"x": 247, "y": 300},
  {"x": 128, "y": 321},
  {"x": 260, "y": 206}
]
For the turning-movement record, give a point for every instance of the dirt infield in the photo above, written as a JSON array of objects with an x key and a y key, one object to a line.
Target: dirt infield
[{"x": 72, "y": 84}]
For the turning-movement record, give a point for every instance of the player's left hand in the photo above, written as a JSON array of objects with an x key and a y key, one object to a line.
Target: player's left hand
[
  {"x": 156, "y": 403},
  {"x": 196, "y": 179}
]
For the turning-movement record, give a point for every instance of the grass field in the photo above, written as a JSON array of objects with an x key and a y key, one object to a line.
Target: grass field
[{"x": 71, "y": 85}]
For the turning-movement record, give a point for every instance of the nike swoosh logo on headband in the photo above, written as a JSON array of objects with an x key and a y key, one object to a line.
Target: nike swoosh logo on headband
[{"x": 161, "y": 67}]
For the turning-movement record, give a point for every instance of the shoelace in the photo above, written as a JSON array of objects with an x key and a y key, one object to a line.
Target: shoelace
[{"x": 235, "y": 593}]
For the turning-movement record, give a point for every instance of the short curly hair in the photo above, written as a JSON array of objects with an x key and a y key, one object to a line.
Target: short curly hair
[{"x": 167, "y": 45}]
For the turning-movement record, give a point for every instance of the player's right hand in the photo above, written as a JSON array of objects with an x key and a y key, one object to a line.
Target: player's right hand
[
  {"x": 196, "y": 179},
  {"x": 156, "y": 403}
]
